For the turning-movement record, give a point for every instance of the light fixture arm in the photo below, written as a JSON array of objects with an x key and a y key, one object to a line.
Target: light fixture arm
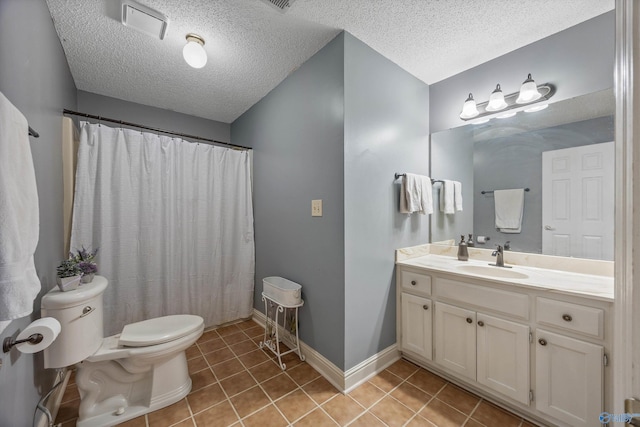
[{"x": 547, "y": 90}]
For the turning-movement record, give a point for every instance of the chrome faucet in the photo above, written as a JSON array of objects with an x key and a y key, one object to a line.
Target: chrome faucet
[{"x": 499, "y": 254}]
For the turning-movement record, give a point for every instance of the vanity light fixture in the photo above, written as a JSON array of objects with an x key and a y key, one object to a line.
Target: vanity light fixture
[
  {"x": 193, "y": 52},
  {"x": 469, "y": 109},
  {"x": 496, "y": 100},
  {"x": 530, "y": 98},
  {"x": 528, "y": 91}
]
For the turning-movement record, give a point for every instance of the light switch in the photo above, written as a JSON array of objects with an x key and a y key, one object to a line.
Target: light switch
[{"x": 316, "y": 207}]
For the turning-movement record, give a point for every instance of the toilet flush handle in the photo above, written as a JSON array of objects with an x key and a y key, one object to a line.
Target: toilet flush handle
[{"x": 87, "y": 310}]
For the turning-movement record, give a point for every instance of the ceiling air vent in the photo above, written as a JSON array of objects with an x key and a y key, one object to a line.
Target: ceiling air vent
[
  {"x": 144, "y": 19},
  {"x": 280, "y": 5}
]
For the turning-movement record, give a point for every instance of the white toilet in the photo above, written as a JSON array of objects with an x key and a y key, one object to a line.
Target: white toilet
[{"x": 142, "y": 369}]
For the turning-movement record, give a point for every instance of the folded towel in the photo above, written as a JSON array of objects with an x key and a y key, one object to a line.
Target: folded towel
[
  {"x": 450, "y": 197},
  {"x": 19, "y": 217},
  {"x": 509, "y": 210},
  {"x": 416, "y": 194}
]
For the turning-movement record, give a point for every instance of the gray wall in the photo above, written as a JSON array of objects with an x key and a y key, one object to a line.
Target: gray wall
[
  {"x": 118, "y": 109},
  {"x": 560, "y": 59},
  {"x": 516, "y": 162},
  {"x": 386, "y": 130},
  {"x": 35, "y": 77},
  {"x": 296, "y": 132},
  {"x": 452, "y": 158}
]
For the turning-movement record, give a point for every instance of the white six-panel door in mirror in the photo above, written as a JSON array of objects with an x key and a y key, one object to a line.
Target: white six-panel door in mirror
[{"x": 577, "y": 201}]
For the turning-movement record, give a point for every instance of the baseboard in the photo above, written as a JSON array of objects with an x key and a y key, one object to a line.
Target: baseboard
[
  {"x": 54, "y": 401},
  {"x": 343, "y": 381}
]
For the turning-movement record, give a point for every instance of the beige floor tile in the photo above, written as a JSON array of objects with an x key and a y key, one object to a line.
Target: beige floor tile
[
  {"x": 265, "y": 370},
  {"x": 136, "y": 422},
  {"x": 391, "y": 412},
  {"x": 253, "y": 358},
  {"x": 403, "y": 369},
  {"x": 235, "y": 338},
  {"x": 250, "y": 401},
  {"x": 237, "y": 383},
  {"x": 386, "y": 381},
  {"x": 278, "y": 386},
  {"x": 221, "y": 415},
  {"x": 473, "y": 423},
  {"x": 295, "y": 405},
  {"x": 244, "y": 347},
  {"x": 169, "y": 415},
  {"x": 213, "y": 345},
  {"x": 228, "y": 330},
  {"x": 489, "y": 414},
  {"x": 303, "y": 373},
  {"x": 316, "y": 418},
  {"x": 247, "y": 324},
  {"x": 219, "y": 356},
  {"x": 367, "y": 394},
  {"x": 291, "y": 360},
  {"x": 205, "y": 398},
  {"x": 226, "y": 369},
  {"x": 426, "y": 381},
  {"x": 202, "y": 379},
  {"x": 367, "y": 420},
  {"x": 418, "y": 421},
  {"x": 320, "y": 390},
  {"x": 255, "y": 332},
  {"x": 197, "y": 364},
  {"x": 463, "y": 401},
  {"x": 191, "y": 352},
  {"x": 267, "y": 417},
  {"x": 411, "y": 396},
  {"x": 208, "y": 336},
  {"x": 343, "y": 409},
  {"x": 185, "y": 423},
  {"x": 443, "y": 415}
]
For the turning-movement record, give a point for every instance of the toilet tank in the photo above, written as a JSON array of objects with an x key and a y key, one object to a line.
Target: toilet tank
[{"x": 80, "y": 315}]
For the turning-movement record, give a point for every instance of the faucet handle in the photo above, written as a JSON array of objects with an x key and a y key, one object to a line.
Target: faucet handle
[{"x": 507, "y": 245}]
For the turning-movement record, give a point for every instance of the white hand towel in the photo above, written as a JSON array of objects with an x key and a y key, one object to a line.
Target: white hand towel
[
  {"x": 447, "y": 197},
  {"x": 509, "y": 205},
  {"x": 457, "y": 195},
  {"x": 19, "y": 217},
  {"x": 416, "y": 194}
]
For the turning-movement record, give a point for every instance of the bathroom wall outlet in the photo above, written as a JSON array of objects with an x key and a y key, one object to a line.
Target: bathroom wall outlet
[{"x": 316, "y": 207}]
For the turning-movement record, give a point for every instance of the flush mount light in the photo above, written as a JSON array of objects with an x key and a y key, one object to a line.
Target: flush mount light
[
  {"x": 528, "y": 92},
  {"x": 469, "y": 109},
  {"x": 530, "y": 98},
  {"x": 193, "y": 52},
  {"x": 496, "y": 100}
]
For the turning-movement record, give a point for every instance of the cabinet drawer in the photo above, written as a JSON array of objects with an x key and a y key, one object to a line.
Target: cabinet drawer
[
  {"x": 416, "y": 282},
  {"x": 573, "y": 317}
]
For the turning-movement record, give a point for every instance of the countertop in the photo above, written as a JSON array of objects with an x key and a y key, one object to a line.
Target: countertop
[{"x": 558, "y": 281}]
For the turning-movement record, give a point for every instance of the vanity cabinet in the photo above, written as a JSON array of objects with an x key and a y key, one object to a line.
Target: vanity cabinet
[
  {"x": 492, "y": 351},
  {"x": 535, "y": 351}
]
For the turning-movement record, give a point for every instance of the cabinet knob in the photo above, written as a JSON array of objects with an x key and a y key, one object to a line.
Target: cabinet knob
[
  {"x": 469, "y": 320},
  {"x": 480, "y": 323},
  {"x": 567, "y": 317},
  {"x": 426, "y": 307},
  {"x": 413, "y": 282},
  {"x": 542, "y": 341}
]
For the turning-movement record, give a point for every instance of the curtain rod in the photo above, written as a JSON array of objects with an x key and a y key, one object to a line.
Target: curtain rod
[{"x": 184, "y": 135}]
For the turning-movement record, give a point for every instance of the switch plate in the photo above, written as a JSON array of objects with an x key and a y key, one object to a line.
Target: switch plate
[{"x": 316, "y": 207}]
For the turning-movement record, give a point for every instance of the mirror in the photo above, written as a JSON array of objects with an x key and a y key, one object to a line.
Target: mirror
[{"x": 565, "y": 213}]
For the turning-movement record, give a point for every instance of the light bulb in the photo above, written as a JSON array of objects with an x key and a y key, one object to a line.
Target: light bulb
[
  {"x": 469, "y": 109},
  {"x": 528, "y": 92},
  {"x": 496, "y": 100},
  {"x": 193, "y": 52}
]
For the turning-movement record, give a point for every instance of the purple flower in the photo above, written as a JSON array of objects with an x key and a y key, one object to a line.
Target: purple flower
[{"x": 88, "y": 267}]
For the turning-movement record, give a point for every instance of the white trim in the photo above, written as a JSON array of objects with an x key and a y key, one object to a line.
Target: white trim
[
  {"x": 343, "y": 381},
  {"x": 625, "y": 229}
]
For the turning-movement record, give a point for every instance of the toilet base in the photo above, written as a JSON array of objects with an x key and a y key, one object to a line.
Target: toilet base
[{"x": 111, "y": 394}]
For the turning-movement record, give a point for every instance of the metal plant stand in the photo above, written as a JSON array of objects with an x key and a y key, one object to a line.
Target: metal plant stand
[{"x": 272, "y": 328}]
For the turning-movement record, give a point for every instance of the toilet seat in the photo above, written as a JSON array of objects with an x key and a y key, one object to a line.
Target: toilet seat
[{"x": 159, "y": 330}]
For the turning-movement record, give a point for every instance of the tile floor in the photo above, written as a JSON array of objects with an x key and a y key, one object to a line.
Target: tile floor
[{"x": 235, "y": 383}]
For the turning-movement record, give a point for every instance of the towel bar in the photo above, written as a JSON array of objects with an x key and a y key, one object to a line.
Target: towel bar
[{"x": 491, "y": 191}]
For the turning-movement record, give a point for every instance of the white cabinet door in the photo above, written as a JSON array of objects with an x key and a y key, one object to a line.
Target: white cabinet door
[
  {"x": 455, "y": 335},
  {"x": 503, "y": 357},
  {"x": 416, "y": 325},
  {"x": 569, "y": 375}
]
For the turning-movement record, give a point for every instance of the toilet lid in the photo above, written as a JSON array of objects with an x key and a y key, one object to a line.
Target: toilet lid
[{"x": 159, "y": 330}]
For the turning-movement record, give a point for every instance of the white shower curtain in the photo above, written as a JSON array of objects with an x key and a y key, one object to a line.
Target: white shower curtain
[{"x": 173, "y": 221}]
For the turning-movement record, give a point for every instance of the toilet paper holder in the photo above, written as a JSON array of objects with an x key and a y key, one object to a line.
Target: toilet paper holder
[{"x": 9, "y": 342}]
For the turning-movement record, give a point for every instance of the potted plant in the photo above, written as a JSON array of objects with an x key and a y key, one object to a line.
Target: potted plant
[
  {"x": 86, "y": 263},
  {"x": 69, "y": 275}
]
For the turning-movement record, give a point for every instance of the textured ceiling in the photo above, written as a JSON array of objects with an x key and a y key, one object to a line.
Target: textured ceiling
[{"x": 252, "y": 47}]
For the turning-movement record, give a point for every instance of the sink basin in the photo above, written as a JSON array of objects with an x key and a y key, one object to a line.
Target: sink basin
[{"x": 490, "y": 271}]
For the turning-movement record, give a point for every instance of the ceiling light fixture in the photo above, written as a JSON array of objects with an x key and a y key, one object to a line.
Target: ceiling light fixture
[
  {"x": 502, "y": 106},
  {"x": 193, "y": 52}
]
